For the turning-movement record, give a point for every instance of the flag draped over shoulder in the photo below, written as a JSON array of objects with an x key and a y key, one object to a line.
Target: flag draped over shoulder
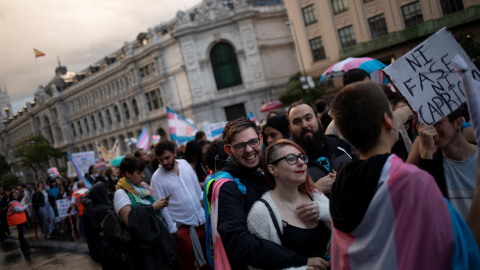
[
  {"x": 38, "y": 53},
  {"x": 180, "y": 129},
  {"x": 107, "y": 155},
  {"x": 143, "y": 140}
]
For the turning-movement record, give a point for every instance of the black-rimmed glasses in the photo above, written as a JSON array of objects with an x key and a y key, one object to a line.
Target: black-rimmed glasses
[
  {"x": 291, "y": 159},
  {"x": 240, "y": 147}
]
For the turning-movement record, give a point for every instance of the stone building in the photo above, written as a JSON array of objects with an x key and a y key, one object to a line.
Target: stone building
[
  {"x": 217, "y": 61},
  {"x": 328, "y": 31}
]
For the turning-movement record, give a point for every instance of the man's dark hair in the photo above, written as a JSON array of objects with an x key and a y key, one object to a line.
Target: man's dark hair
[
  {"x": 325, "y": 120},
  {"x": 455, "y": 115},
  {"x": 130, "y": 164},
  {"x": 393, "y": 97},
  {"x": 354, "y": 75},
  {"x": 199, "y": 135},
  {"x": 137, "y": 152},
  {"x": 235, "y": 126},
  {"x": 298, "y": 103},
  {"x": 320, "y": 105},
  {"x": 210, "y": 153},
  {"x": 164, "y": 145},
  {"x": 358, "y": 111}
]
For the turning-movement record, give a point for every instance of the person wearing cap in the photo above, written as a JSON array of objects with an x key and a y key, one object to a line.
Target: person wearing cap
[{"x": 275, "y": 128}]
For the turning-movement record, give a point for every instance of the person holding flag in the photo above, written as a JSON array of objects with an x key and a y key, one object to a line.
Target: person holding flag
[{"x": 76, "y": 196}]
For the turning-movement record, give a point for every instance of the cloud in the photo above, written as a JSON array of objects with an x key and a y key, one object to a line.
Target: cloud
[{"x": 79, "y": 32}]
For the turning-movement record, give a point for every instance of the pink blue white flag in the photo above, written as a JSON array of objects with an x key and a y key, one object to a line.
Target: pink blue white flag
[
  {"x": 252, "y": 118},
  {"x": 180, "y": 129},
  {"x": 78, "y": 172},
  {"x": 143, "y": 140}
]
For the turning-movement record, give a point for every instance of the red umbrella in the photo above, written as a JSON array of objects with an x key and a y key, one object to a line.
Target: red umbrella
[{"x": 272, "y": 105}]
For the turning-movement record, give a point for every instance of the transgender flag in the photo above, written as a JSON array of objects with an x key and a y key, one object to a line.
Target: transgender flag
[
  {"x": 180, "y": 129},
  {"x": 143, "y": 140}
]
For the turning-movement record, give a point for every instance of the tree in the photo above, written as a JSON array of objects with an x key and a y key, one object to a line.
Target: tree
[
  {"x": 294, "y": 91},
  {"x": 4, "y": 166},
  {"x": 9, "y": 181},
  {"x": 35, "y": 152}
]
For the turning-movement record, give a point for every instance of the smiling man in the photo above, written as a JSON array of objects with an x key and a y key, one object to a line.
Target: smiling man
[
  {"x": 326, "y": 152},
  {"x": 243, "y": 144},
  {"x": 454, "y": 163}
]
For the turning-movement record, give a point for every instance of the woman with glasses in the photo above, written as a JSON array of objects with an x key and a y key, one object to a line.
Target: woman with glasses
[{"x": 275, "y": 216}]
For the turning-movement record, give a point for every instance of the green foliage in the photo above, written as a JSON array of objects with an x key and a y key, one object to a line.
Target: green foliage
[
  {"x": 35, "y": 152},
  {"x": 294, "y": 91},
  {"x": 4, "y": 166},
  {"x": 9, "y": 181}
]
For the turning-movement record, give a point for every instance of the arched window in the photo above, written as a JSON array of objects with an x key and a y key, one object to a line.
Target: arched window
[
  {"x": 87, "y": 128},
  {"x": 109, "y": 117},
  {"x": 100, "y": 118},
  {"x": 225, "y": 66},
  {"x": 94, "y": 125},
  {"x": 74, "y": 131},
  {"x": 135, "y": 107},
  {"x": 125, "y": 109},
  {"x": 117, "y": 114},
  {"x": 80, "y": 127}
]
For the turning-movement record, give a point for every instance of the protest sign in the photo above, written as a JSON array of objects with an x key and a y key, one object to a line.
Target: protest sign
[
  {"x": 70, "y": 170},
  {"x": 426, "y": 79},
  {"x": 83, "y": 160},
  {"x": 62, "y": 207}
]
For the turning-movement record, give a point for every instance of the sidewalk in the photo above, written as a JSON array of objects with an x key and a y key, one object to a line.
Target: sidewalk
[{"x": 59, "y": 253}]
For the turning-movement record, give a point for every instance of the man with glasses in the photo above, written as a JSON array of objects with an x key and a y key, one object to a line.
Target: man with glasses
[
  {"x": 243, "y": 144},
  {"x": 326, "y": 152}
]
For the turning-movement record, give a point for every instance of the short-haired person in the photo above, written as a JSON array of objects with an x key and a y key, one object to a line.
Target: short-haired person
[
  {"x": 16, "y": 217},
  {"x": 145, "y": 157},
  {"x": 243, "y": 144},
  {"x": 379, "y": 201},
  {"x": 275, "y": 128},
  {"x": 285, "y": 167},
  {"x": 75, "y": 202},
  {"x": 139, "y": 211},
  {"x": 326, "y": 153},
  {"x": 450, "y": 159},
  {"x": 175, "y": 179}
]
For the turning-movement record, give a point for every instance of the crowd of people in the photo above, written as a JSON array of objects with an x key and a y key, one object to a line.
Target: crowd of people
[{"x": 353, "y": 183}]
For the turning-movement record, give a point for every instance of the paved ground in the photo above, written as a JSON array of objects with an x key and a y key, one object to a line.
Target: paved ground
[{"x": 59, "y": 253}]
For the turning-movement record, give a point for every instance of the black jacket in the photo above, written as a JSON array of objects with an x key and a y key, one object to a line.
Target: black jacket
[
  {"x": 435, "y": 168},
  {"x": 338, "y": 151},
  {"x": 242, "y": 247}
]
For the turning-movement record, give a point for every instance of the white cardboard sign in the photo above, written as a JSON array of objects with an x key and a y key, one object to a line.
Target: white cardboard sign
[
  {"x": 84, "y": 160},
  {"x": 426, "y": 79}
]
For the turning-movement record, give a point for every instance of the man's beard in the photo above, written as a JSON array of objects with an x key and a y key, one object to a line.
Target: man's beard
[
  {"x": 170, "y": 166},
  {"x": 311, "y": 144}
]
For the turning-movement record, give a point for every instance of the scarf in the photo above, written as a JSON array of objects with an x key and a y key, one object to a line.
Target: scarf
[{"x": 136, "y": 193}]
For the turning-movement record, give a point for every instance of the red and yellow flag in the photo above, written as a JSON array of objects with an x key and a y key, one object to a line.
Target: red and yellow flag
[{"x": 38, "y": 53}]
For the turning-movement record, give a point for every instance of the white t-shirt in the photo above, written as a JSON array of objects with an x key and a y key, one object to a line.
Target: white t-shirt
[{"x": 460, "y": 177}]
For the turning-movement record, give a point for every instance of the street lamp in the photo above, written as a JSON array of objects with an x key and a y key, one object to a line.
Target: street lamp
[{"x": 297, "y": 47}]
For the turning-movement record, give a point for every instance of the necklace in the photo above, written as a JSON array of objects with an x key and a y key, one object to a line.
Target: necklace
[{"x": 285, "y": 203}]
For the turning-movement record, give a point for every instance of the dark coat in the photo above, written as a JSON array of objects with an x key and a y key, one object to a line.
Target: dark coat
[{"x": 435, "y": 168}]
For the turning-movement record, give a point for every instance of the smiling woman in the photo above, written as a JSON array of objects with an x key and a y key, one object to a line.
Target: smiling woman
[{"x": 294, "y": 214}]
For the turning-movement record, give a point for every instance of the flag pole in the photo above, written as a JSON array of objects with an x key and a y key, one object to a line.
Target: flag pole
[{"x": 38, "y": 70}]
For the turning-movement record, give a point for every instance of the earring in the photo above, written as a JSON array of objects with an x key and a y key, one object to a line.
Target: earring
[{"x": 393, "y": 131}]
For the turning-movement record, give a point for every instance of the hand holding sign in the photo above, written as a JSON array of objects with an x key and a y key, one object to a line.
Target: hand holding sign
[{"x": 426, "y": 78}]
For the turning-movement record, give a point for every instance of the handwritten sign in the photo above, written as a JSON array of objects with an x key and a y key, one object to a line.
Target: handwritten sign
[
  {"x": 62, "y": 207},
  {"x": 426, "y": 79},
  {"x": 84, "y": 160}
]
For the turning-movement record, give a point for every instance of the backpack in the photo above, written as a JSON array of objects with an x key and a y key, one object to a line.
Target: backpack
[{"x": 209, "y": 184}]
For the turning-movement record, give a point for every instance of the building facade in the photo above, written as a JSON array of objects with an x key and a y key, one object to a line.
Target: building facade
[
  {"x": 328, "y": 31},
  {"x": 217, "y": 61}
]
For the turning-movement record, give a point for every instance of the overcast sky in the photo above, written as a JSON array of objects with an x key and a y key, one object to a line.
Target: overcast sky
[{"x": 79, "y": 32}]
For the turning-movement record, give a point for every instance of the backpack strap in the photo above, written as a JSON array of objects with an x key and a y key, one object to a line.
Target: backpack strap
[{"x": 274, "y": 219}]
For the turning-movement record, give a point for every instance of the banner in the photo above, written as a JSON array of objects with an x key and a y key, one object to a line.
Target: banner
[
  {"x": 62, "y": 207},
  {"x": 71, "y": 170},
  {"x": 426, "y": 78},
  {"x": 107, "y": 155},
  {"x": 180, "y": 130},
  {"x": 83, "y": 158}
]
